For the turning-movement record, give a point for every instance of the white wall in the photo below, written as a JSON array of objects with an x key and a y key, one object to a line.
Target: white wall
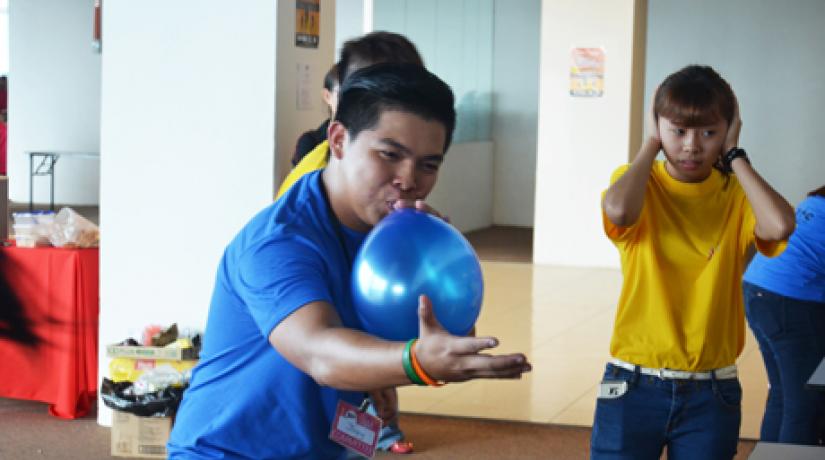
[
  {"x": 188, "y": 142},
  {"x": 580, "y": 140},
  {"x": 463, "y": 191},
  {"x": 772, "y": 54},
  {"x": 349, "y": 21},
  {"x": 54, "y": 97},
  {"x": 4, "y": 37},
  {"x": 455, "y": 40},
  {"x": 515, "y": 110}
]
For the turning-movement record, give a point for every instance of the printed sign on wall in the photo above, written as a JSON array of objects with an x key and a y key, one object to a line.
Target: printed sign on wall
[
  {"x": 307, "y": 23},
  {"x": 587, "y": 72}
]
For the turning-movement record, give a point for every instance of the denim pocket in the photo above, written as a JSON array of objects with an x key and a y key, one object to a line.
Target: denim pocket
[
  {"x": 620, "y": 419},
  {"x": 728, "y": 392},
  {"x": 615, "y": 384}
]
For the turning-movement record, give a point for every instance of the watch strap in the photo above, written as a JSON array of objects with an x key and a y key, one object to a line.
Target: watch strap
[{"x": 732, "y": 154}]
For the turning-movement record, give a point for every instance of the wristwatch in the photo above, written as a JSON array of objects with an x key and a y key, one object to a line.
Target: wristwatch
[{"x": 732, "y": 154}]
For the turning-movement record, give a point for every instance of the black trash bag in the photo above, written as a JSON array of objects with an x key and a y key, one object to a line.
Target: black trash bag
[{"x": 162, "y": 403}]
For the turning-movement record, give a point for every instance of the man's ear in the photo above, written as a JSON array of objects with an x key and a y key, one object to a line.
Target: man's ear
[{"x": 337, "y": 136}]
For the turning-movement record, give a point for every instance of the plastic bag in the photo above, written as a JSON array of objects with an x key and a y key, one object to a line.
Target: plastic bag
[
  {"x": 72, "y": 230},
  {"x": 160, "y": 377},
  {"x": 132, "y": 369},
  {"x": 162, "y": 403}
]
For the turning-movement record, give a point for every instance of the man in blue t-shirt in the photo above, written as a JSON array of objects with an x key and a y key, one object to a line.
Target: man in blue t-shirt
[{"x": 282, "y": 345}]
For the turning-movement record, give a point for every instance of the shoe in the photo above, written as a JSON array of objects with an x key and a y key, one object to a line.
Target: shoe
[{"x": 401, "y": 447}]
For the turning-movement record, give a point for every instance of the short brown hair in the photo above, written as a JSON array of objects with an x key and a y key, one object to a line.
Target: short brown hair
[{"x": 695, "y": 96}]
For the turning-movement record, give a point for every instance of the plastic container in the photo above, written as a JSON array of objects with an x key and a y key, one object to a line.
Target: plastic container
[
  {"x": 25, "y": 235},
  {"x": 33, "y": 228},
  {"x": 23, "y": 218},
  {"x": 43, "y": 217}
]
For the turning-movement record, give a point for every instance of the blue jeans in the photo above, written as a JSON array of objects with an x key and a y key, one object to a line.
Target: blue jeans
[
  {"x": 791, "y": 336},
  {"x": 695, "y": 419}
]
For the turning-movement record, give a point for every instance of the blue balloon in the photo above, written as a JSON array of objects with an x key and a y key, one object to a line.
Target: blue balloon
[{"x": 407, "y": 254}]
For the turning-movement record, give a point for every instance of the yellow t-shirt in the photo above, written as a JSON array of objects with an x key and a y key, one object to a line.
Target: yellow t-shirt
[
  {"x": 682, "y": 261},
  {"x": 316, "y": 159}
]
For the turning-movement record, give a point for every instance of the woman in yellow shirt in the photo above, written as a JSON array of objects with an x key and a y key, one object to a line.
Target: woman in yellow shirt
[{"x": 683, "y": 228}]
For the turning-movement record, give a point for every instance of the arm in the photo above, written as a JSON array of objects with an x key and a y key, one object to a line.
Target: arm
[
  {"x": 623, "y": 200},
  {"x": 775, "y": 220},
  {"x": 314, "y": 340}
]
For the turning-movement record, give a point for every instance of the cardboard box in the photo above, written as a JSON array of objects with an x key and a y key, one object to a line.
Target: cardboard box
[
  {"x": 142, "y": 437},
  {"x": 123, "y": 351}
]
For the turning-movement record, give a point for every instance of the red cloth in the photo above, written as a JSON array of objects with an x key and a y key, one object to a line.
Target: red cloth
[
  {"x": 3, "y": 134},
  {"x": 59, "y": 292}
]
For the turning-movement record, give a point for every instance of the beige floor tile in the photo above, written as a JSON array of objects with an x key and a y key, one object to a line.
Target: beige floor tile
[
  {"x": 588, "y": 337},
  {"x": 576, "y": 286},
  {"x": 579, "y": 412},
  {"x": 526, "y": 330},
  {"x": 529, "y": 399},
  {"x": 422, "y": 399},
  {"x": 507, "y": 283},
  {"x": 754, "y": 392},
  {"x": 750, "y": 342}
]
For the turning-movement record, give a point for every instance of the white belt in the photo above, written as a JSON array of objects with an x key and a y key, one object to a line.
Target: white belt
[{"x": 721, "y": 373}]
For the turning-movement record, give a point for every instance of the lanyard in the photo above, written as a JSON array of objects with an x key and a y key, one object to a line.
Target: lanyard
[{"x": 336, "y": 224}]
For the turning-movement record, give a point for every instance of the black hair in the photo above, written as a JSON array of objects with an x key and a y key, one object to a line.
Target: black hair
[
  {"x": 818, "y": 192},
  {"x": 375, "y": 48},
  {"x": 410, "y": 88},
  {"x": 331, "y": 78}
]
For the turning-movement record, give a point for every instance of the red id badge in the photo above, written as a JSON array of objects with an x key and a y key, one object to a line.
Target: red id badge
[{"x": 355, "y": 429}]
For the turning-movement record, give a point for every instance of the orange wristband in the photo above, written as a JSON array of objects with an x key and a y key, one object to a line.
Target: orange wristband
[{"x": 420, "y": 371}]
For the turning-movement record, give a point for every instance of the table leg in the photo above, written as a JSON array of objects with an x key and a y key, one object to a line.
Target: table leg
[
  {"x": 51, "y": 173},
  {"x": 31, "y": 182}
]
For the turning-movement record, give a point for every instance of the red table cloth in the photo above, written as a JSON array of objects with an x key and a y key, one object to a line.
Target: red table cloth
[{"x": 58, "y": 291}]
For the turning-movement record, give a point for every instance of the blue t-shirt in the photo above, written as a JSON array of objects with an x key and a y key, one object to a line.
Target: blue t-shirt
[
  {"x": 799, "y": 272},
  {"x": 245, "y": 400}
]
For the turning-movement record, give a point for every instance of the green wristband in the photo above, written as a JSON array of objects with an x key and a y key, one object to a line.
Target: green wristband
[{"x": 406, "y": 360}]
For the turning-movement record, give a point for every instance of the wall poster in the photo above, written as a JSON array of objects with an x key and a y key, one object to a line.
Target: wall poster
[
  {"x": 307, "y": 23},
  {"x": 587, "y": 72}
]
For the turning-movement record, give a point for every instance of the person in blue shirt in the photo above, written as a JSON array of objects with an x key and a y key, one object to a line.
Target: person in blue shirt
[
  {"x": 283, "y": 344},
  {"x": 785, "y": 307}
]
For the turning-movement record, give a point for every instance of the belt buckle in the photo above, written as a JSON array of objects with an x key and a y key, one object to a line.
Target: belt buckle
[{"x": 661, "y": 373}]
